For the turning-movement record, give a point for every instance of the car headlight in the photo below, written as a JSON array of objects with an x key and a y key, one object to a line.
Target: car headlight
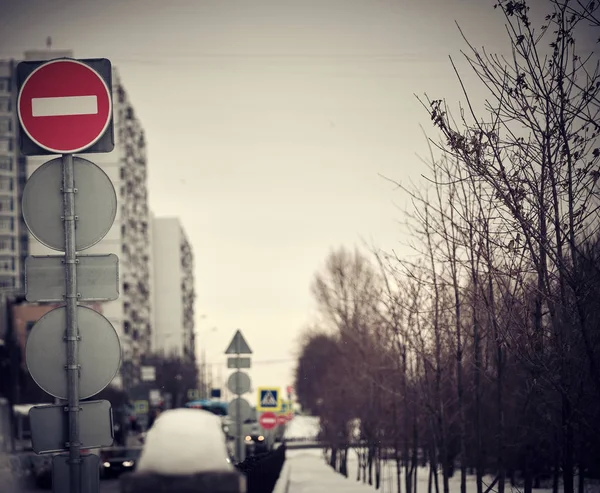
[
  {"x": 128, "y": 463},
  {"x": 106, "y": 464},
  {"x": 248, "y": 438},
  {"x": 261, "y": 438}
]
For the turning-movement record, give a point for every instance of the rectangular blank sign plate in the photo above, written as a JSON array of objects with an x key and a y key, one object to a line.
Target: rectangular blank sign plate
[
  {"x": 97, "y": 278},
  {"x": 50, "y": 426},
  {"x": 90, "y": 474},
  {"x": 240, "y": 363}
]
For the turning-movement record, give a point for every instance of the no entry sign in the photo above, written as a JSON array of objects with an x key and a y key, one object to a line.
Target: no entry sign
[
  {"x": 268, "y": 420},
  {"x": 64, "y": 106}
]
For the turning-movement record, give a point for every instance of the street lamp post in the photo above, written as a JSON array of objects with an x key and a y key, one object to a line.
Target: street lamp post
[{"x": 204, "y": 392}]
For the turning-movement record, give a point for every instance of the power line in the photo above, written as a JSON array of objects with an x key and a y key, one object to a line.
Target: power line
[{"x": 279, "y": 58}]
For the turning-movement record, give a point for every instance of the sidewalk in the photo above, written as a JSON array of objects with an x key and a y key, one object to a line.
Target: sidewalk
[{"x": 305, "y": 471}]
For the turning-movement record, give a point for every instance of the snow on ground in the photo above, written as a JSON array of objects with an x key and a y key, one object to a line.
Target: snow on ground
[
  {"x": 302, "y": 428},
  {"x": 389, "y": 481},
  {"x": 309, "y": 473},
  {"x": 185, "y": 441}
]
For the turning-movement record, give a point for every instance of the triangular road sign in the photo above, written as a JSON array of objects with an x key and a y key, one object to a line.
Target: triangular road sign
[{"x": 238, "y": 345}]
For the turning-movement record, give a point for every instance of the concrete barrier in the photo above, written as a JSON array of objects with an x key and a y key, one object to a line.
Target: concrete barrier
[{"x": 262, "y": 471}]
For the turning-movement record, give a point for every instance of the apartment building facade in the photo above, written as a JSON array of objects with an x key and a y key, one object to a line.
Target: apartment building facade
[
  {"x": 13, "y": 234},
  {"x": 174, "y": 290}
]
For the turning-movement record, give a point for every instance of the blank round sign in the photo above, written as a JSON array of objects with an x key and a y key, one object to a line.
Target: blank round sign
[
  {"x": 99, "y": 352},
  {"x": 245, "y": 409},
  {"x": 238, "y": 383},
  {"x": 95, "y": 204}
]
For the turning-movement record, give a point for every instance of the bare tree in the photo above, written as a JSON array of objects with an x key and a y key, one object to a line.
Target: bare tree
[{"x": 544, "y": 177}]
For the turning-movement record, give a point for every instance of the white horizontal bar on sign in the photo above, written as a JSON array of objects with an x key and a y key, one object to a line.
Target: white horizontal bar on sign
[{"x": 64, "y": 106}]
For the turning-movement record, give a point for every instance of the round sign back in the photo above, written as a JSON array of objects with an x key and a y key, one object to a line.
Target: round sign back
[
  {"x": 238, "y": 383},
  {"x": 64, "y": 106},
  {"x": 95, "y": 204},
  {"x": 99, "y": 352},
  {"x": 245, "y": 411}
]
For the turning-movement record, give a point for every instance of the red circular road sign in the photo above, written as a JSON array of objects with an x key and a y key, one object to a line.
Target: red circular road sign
[
  {"x": 281, "y": 419},
  {"x": 64, "y": 106},
  {"x": 268, "y": 421}
]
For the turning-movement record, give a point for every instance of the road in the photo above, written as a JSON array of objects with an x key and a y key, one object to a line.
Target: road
[{"x": 106, "y": 486}]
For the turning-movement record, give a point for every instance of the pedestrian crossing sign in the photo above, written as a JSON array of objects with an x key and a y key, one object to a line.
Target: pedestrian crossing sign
[
  {"x": 269, "y": 399},
  {"x": 141, "y": 407}
]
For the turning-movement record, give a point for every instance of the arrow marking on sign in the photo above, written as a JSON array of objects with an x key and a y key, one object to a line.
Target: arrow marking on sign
[{"x": 64, "y": 106}]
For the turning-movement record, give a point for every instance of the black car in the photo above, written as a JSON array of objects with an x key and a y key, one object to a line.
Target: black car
[
  {"x": 256, "y": 444},
  {"x": 118, "y": 460}
]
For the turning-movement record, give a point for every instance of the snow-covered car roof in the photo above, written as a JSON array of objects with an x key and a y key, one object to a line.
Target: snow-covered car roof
[{"x": 185, "y": 441}]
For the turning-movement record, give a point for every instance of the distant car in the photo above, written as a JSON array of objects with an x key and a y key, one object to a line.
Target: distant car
[
  {"x": 256, "y": 443},
  {"x": 118, "y": 460}
]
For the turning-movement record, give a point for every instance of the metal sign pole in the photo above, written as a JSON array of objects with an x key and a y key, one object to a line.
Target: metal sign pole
[
  {"x": 239, "y": 441},
  {"x": 72, "y": 330}
]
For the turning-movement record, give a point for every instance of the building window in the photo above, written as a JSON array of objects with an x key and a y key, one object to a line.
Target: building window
[
  {"x": 5, "y": 104},
  {"x": 7, "y": 223},
  {"x": 7, "y": 264},
  {"x": 5, "y": 125},
  {"x": 7, "y": 282},
  {"x": 6, "y": 184},
  {"x": 6, "y": 204},
  {"x": 7, "y": 243},
  {"x": 4, "y": 84},
  {"x": 5, "y": 145},
  {"x": 6, "y": 163}
]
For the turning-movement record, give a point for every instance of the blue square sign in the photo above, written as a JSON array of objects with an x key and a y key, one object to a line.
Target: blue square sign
[{"x": 269, "y": 399}]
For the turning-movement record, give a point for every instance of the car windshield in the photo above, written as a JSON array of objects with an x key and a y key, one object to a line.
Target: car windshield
[{"x": 129, "y": 453}]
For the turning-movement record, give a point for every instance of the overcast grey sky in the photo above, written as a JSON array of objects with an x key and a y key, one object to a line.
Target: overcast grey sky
[{"x": 268, "y": 124}]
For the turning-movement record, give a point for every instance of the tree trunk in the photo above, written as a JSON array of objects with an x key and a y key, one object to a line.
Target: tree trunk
[
  {"x": 581, "y": 480},
  {"x": 567, "y": 426},
  {"x": 344, "y": 462},
  {"x": 555, "y": 478},
  {"x": 378, "y": 468},
  {"x": 430, "y": 479},
  {"x": 398, "y": 473},
  {"x": 478, "y": 437},
  {"x": 415, "y": 453},
  {"x": 370, "y": 464},
  {"x": 436, "y": 480},
  {"x": 406, "y": 423},
  {"x": 415, "y": 480},
  {"x": 500, "y": 461},
  {"x": 527, "y": 472},
  {"x": 333, "y": 458}
]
